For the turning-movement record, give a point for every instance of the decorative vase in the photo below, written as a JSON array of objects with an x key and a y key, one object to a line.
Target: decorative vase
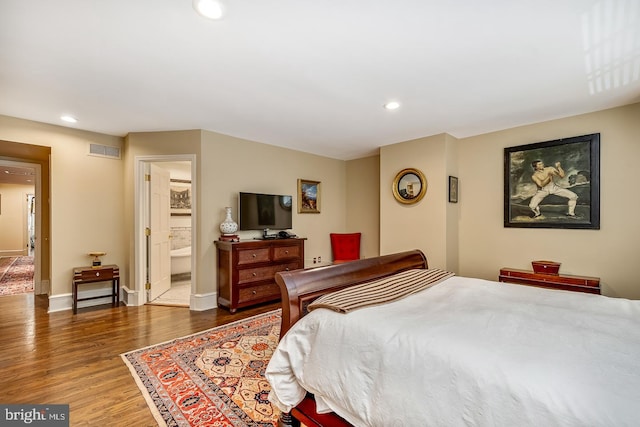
[{"x": 228, "y": 226}]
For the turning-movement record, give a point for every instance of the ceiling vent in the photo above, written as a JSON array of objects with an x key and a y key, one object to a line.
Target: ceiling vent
[{"x": 104, "y": 151}]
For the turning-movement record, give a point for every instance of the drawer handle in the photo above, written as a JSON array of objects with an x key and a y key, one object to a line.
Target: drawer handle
[
  {"x": 255, "y": 274},
  {"x": 254, "y": 255},
  {"x": 97, "y": 273},
  {"x": 286, "y": 252},
  {"x": 254, "y": 292},
  {"x": 286, "y": 269}
]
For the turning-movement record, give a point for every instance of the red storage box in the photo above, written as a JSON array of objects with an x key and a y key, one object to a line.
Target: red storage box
[{"x": 546, "y": 267}]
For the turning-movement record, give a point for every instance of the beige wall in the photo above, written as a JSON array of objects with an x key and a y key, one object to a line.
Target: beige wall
[
  {"x": 452, "y": 209},
  {"x": 13, "y": 218},
  {"x": 610, "y": 253},
  {"x": 469, "y": 237},
  {"x": 234, "y": 165},
  {"x": 86, "y": 201},
  {"x": 89, "y": 213},
  {"x": 149, "y": 145},
  {"x": 362, "y": 201},
  {"x": 422, "y": 225},
  {"x": 228, "y": 165}
]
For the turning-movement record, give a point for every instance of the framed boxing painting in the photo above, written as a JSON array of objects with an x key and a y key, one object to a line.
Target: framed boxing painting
[{"x": 553, "y": 184}]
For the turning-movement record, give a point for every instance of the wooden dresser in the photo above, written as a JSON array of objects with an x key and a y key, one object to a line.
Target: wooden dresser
[
  {"x": 556, "y": 281},
  {"x": 246, "y": 269}
]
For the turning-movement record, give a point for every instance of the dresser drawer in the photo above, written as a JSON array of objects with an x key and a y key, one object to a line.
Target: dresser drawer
[
  {"x": 286, "y": 252},
  {"x": 252, "y": 256},
  {"x": 95, "y": 275},
  {"x": 258, "y": 292},
  {"x": 249, "y": 275}
]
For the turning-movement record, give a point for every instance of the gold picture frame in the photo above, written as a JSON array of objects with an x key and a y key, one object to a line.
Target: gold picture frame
[
  {"x": 308, "y": 196},
  {"x": 409, "y": 186}
]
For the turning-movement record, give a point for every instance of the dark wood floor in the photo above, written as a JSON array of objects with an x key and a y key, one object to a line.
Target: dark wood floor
[{"x": 61, "y": 358}]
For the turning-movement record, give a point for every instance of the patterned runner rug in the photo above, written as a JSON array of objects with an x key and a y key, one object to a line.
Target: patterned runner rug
[
  {"x": 16, "y": 275},
  {"x": 212, "y": 378}
]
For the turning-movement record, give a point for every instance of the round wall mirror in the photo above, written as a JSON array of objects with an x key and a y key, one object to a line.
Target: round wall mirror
[{"x": 409, "y": 186}]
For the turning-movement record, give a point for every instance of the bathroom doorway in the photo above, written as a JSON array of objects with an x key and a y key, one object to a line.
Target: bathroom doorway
[{"x": 170, "y": 253}]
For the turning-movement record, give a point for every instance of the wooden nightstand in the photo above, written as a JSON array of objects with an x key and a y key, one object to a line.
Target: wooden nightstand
[
  {"x": 103, "y": 273},
  {"x": 567, "y": 282}
]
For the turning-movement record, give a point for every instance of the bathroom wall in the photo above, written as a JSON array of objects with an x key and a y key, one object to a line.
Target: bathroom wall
[
  {"x": 180, "y": 224},
  {"x": 180, "y": 235}
]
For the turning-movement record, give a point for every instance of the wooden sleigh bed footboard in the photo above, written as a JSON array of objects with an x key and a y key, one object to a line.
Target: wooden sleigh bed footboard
[{"x": 299, "y": 288}]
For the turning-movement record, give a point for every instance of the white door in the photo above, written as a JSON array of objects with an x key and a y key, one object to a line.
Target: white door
[{"x": 160, "y": 233}]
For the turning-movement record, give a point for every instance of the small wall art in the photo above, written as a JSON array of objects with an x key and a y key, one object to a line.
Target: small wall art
[
  {"x": 453, "y": 189},
  {"x": 308, "y": 196},
  {"x": 180, "y": 197}
]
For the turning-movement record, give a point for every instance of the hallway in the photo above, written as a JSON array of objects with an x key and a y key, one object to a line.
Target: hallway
[{"x": 16, "y": 275}]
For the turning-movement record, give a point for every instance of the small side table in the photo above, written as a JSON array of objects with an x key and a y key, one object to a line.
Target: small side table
[{"x": 103, "y": 273}]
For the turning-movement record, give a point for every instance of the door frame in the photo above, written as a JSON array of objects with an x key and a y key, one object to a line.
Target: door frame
[{"x": 141, "y": 197}]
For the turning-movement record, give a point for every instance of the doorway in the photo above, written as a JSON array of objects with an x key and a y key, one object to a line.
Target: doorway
[
  {"x": 20, "y": 255},
  {"x": 31, "y": 224},
  {"x": 165, "y": 212}
]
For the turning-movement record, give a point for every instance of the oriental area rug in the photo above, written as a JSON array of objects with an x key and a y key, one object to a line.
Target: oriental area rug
[
  {"x": 212, "y": 378},
  {"x": 16, "y": 275}
]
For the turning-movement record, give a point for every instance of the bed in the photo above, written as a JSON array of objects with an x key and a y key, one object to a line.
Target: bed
[{"x": 459, "y": 352}]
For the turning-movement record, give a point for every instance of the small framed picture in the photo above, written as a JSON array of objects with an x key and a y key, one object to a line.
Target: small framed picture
[
  {"x": 308, "y": 196},
  {"x": 453, "y": 189},
  {"x": 180, "y": 197}
]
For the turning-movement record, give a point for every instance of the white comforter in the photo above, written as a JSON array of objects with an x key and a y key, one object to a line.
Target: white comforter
[{"x": 468, "y": 352}]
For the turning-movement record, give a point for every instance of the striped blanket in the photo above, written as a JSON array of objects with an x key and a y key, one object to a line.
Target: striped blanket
[{"x": 380, "y": 291}]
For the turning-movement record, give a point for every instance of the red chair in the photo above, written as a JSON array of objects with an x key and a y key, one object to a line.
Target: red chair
[{"x": 345, "y": 246}]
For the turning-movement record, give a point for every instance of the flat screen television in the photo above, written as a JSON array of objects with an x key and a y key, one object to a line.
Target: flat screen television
[{"x": 261, "y": 211}]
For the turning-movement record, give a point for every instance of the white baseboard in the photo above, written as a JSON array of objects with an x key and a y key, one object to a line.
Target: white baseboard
[
  {"x": 60, "y": 302},
  {"x": 63, "y": 302},
  {"x": 197, "y": 302},
  {"x": 202, "y": 302},
  {"x": 131, "y": 297}
]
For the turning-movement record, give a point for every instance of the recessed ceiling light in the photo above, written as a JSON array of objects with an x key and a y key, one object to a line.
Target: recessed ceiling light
[
  {"x": 393, "y": 105},
  {"x": 68, "y": 119},
  {"x": 211, "y": 9}
]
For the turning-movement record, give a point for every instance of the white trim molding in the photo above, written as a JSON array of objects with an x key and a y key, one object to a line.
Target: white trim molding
[{"x": 202, "y": 302}]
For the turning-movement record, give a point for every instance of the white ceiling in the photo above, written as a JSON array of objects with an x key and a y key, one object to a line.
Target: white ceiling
[{"x": 313, "y": 75}]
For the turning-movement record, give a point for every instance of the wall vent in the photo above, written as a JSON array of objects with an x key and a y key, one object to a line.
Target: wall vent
[{"x": 104, "y": 151}]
